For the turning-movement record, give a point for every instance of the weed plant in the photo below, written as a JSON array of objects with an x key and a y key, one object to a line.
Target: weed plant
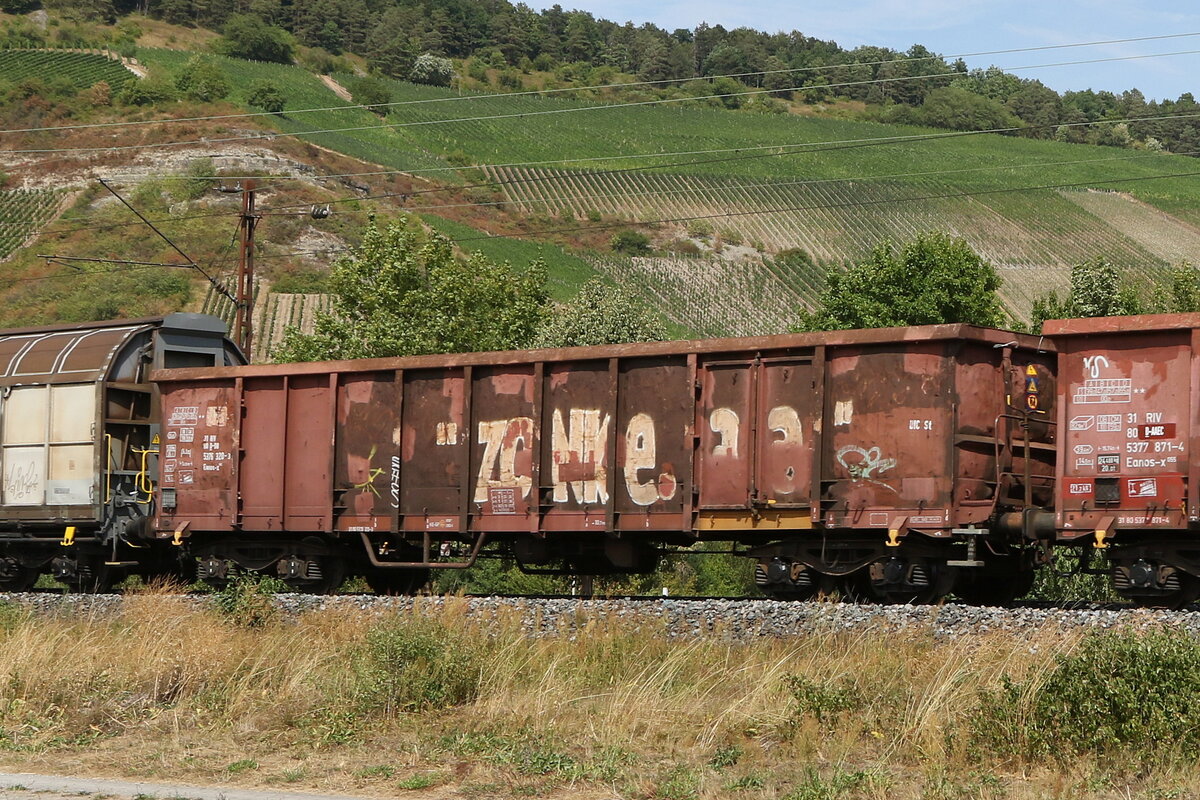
[{"x": 342, "y": 701}]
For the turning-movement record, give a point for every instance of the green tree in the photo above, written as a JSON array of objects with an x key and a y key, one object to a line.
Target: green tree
[
  {"x": 202, "y": 79},
  {"x": 389, "y": 46},
  {"x": 267, "y": 96},
  {"x": 403, "y": 292},
  {"x": 371, "y": 92},
  {"x": 932, "y": 279},
  {"x": 633, "y": 243},
  {"x": 147, "y": 91},
  {"x": 601, "y": 314},
  {"x": 1097, "y": 290},
  {"x": 247, "y": 36},
  {"x": 431, "y": 70},
  {"x": 1178, "y": 292},
  {"x": 962, "y": 110}
]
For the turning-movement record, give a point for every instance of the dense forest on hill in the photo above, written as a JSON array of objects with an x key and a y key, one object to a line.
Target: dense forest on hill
[{"x": 503, "y": 46}]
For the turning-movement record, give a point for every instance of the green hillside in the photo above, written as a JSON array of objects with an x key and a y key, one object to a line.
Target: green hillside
[
  {"x": 373, "y": 141},
  {"x": 742, "y": 188}
]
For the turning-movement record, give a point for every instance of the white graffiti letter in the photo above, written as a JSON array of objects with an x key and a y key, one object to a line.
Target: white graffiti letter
[
  {"x": 725, "y": 422},
  {"x": 843, "y": 412},
  {"x": 502, "y": 439},
  {"x": 579, "y": 456},
  {"x": 447, "y": 434},
  {"x": 785, "y": 420},
  {"x": 640, "y": 453}
]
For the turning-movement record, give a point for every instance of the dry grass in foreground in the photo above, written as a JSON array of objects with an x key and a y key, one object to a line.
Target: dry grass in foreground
[{"x": 436, "y": 706}]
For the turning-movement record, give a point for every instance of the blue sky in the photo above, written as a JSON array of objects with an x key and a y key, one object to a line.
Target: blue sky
[{"x": 953, "y": 27}]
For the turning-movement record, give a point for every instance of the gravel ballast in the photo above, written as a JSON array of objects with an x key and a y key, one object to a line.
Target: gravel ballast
[{"x": 680, "y": 618}]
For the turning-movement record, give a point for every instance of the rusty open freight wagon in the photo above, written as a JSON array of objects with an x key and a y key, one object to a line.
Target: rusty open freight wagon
[
  {"x": 891, "y": 459},
  {"x": 1129, "y": 400}
]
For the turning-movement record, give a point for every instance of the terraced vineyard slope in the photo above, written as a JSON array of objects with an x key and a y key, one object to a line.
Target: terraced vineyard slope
[
  {"x": 22, "y": 214},
  {"x": 83, "y": 69},
  {"x": 1033, "y": 236}
]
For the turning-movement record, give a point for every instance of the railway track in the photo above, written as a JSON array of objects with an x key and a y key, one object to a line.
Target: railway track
[{"x": 675, "y": 617}]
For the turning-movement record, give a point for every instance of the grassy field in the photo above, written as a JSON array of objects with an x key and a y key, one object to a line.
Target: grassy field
[
  {"x": 385, "y": 705},
  {"x": 565, "y": 272},
  {"x": 373, "y": 142}
]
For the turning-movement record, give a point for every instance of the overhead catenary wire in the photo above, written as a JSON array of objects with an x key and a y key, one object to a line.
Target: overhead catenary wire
[
  {"x": 272, "y": 135},
  {"x": 626, "y": 84}
]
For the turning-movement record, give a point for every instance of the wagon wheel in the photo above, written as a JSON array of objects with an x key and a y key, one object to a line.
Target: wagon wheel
[
  {"x": 397, "y": 581},
  {"x": 16, "y": 577},
  {"x": 1187, "y": 593},
  {"x": 329, "y": 572}
]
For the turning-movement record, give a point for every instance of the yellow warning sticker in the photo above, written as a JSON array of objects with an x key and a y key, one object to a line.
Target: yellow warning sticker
[
  {"x": 1031, "y": 370},
  {"x": 155, "y": 440}
]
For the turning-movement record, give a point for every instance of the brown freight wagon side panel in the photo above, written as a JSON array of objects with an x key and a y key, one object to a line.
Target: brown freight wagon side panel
[
  {"x": 578, "y": 409},
  {"x": 726, "y": 421},
  {"x": 287, "y": 453},
  {"x": 1129, "y": 414},
  {"x": 888, "y": 435},
  {"x": 264, "y": 455},
  {"x": 367, "y": 454},
  {"x": 435, "y": 469},
  {"x": 505, "y": 412},
  {"x": 311, "y": 405},
  {"x": 787, "y": 416},
  {"x": 655, "y": 416}
]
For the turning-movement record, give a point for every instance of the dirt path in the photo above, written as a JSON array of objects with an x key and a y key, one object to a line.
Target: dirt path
[
  {"x": 28, "y": 786},
  {"x": 337, "y": 88}
]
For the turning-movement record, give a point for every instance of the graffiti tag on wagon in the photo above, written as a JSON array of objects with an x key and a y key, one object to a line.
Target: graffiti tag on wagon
[
  {"x": 863, "y": 463},
  {"x": 579, "y": 440},
  {"x": 22, "y": 482}
]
